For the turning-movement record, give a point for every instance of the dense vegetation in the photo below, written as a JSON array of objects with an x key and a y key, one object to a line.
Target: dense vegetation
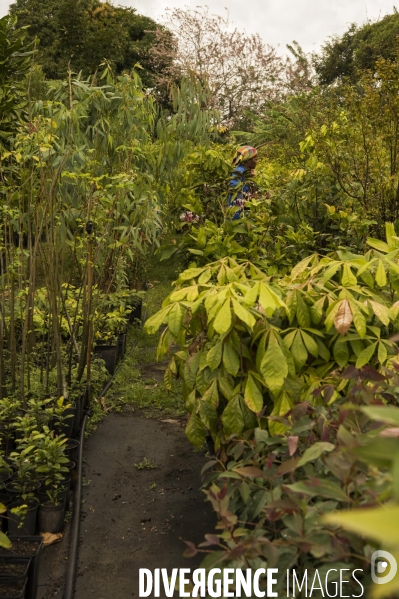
[{"x": 286, "y": 320}]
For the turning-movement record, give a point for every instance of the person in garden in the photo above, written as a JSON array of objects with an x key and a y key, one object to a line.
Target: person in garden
[{"x": 245, "y": 161}]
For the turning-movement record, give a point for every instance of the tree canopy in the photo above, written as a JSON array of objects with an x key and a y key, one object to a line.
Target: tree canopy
[
  {"x": 357, "y": 49},
  {"x": 84, "y": 33}
]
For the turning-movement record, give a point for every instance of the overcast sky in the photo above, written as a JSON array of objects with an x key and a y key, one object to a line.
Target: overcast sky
[{"x": 309, "y": 22}]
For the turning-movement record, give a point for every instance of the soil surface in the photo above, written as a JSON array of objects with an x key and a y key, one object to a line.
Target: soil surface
[{"x": 133, "y": 518}]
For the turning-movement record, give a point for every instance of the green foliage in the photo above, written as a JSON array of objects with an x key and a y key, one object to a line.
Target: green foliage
[
  {"x": 359, "y": 48},
  {"x": 252, "y": 345},
  {"x": 14, "y": 65},
  {"x": 81, "y": 35}
]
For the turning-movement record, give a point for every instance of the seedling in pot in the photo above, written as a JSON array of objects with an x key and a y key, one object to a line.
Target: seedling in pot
[
  {"x": 51, "y": 462},
  {"x": 59, "y": 413}
]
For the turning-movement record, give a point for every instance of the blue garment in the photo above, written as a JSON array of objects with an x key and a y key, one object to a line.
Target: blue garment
[{"x": 238, "y": 179}]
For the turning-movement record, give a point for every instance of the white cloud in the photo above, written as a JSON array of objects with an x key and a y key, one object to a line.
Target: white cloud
[{"x": 309, "y": 22}]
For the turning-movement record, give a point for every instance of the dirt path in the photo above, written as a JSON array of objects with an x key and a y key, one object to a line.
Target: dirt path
[{"x": 134, "y": 518}]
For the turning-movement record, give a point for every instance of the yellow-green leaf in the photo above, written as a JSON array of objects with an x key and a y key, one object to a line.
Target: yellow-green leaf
[
  {"x": 380, "y": 275},
  {"x": 274, "y": 367},
  {"x": 222, "y": 321},
  {"x": 253, "y": 397}
]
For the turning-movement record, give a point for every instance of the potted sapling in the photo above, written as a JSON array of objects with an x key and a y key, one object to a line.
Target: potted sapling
[
  {"x": 22, "y": 509},
  {"x": 51, "y": 462},
  {"x": 62, "y": 415}
]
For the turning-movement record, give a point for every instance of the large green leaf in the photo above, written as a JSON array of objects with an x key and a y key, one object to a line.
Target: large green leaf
[
  {"x": 366, "y": 355},
  {"x": 243, "y": 314},
  {"x": 231, "y": 360},
  {"x": 314, "y": 452},
  {"x": 175, "y": 319},
  {"x": 156, "y": 320},
  {"x": 195, "y": 431},
  {"x": 253, "y": 396},
  {"x": 232, "y": 418},
  {"x": 274, "y": 367},
  {"x": 222, "y": 322},
  {"x": 214, "y": 355}
]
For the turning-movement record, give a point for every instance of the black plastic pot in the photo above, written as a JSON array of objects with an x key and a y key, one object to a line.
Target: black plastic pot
[
  {"x": 108, "y": 353},
  {"x": 61, "y": 494},
  {"x": 10, "y": 588},
  {"x": 72, "y": 449},
  {"x": 121, "y": 344},
  {"x": 5, "y": 499},
  {"x": 9, "y": 562},
  {"x": 13, "y": 489},
  {"x": 27, "y": 547},
  {"x": 137, "y": 309},
  {"x": 28, "y": 522},
  {"x": 4, "y": 477},
  {"x": 51, "y": 517},
  {"x": 71, "y": 467}
]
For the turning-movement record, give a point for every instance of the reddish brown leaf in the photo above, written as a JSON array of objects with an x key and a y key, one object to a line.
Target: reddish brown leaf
[{"x": 293, "y": 444}]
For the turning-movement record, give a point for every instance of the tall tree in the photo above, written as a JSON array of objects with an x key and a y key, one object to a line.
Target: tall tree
[
  {"x": 357, "y": 49},
  {"x": 84, "y": 33}
]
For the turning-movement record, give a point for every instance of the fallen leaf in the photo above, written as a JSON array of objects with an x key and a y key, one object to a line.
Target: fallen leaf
[
  {"x": 50, "y": 538},
  {"x": 170, "y": 421}
]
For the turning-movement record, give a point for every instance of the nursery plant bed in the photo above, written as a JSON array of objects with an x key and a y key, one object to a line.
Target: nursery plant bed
[
  {"x": 14, "y": 567},
  {"x": 27, "y": 547},
  {"x": 12, "y": 589}
]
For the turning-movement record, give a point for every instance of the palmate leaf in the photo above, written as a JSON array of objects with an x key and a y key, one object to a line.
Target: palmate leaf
[
  {"x": 231, "y": 360},
  {"x": 299, "y": 352},
  {"x": 366, "y": 355},
  {"x": 380, "y": 275},
  {"x": 348, "y": 279},
  {"x": 222, "y": 322},
  {"x": 154, "y": 322},
  {"x": 175, "y": 319},
  {"x": 310, "y": 344},
  {"x": 381, "y": 311},
  {"x": 243, "y": 314},
  {"x": 359, "y": 319},
  {"x": 253, "y": 396},
  {"x": 302, "y": 311},
  {"x": 232, "y": 418},
  {"x": 195, "y": 431},
  {"x": 274, "y": 367},
  {"x": 341, "y": 353},
  {"x": 214, "y": 355}
]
